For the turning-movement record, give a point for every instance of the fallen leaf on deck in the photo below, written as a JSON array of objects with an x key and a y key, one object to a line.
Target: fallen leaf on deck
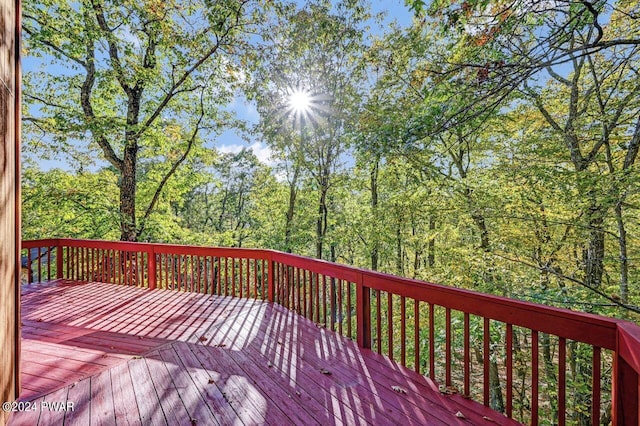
[
  {"x": 39, "y": 320},
  {"x": 399, "y": 389},
  {"x": 220, "y": 345},
  {"x": 210, "y": 381},
  {"x": 460, "y": 415},
  {"x": 203, "y": 338},
  {"x": 448, "y": 390},
  {"x": 325, "y": 371}
]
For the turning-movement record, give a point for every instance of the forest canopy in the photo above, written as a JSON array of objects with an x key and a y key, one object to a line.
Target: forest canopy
[{"x": 487, "y": 145}]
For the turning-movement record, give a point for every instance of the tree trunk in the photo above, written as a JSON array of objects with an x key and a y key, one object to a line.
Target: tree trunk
[
  {"x": 399, "y": 257},
  {"x": 128, "y": 195},
  {"x": 321, "y": 225},
  {"x": 288, "y": 225},
  {"x": 375, "y": 249},
  {"x": 624, "y": 262},
  {"x": 431, "y": 257},
  {"x": 593, "y": 254}
]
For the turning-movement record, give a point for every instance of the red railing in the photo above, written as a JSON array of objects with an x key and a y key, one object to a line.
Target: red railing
[{"x": 524, "y": 359}]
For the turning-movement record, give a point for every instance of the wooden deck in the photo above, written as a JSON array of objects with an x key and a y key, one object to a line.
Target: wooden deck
[{"x": 125, "y": 355}]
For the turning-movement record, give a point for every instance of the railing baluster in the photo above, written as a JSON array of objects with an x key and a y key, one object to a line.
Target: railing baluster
[
  {"x": 308, "y": 279},
  {"x": 332, "y": 300},
  {"x": 447, "y": 351},
  {"x": 60, "y": 261},
  {"x": 161, "y": 270},
  {"x": 324, "y": 299},
  {"x": 509, "y": 366},
  {"x": 485, "y": 360},
  {"x": 390, "y": 324},
  {"x": 49, "y": 263},
  {"x": 314, "y": 278},
  {"x": 266, "y": 270},
  {"x": 199, "y": 266},
  {"x": 29, "y": 268},
  {"x": 403, "y": 331},
  {"x": 76, "y": 263},
  {"x": 173, "y": 264},
  {"x": 94, "y": 275},
  {"x": 534, "y": 377},
  {"x": 280, "y": 292},
  {"x": 190, "y": 272},
  {"x": 68, "y": 259},
  {"x": 595, "y": 386},
  {"x": 432, "y": 342},
  {"x": 240, "y": 279},
  {"x": 80, "y": 263},
  {"x": 467, "y": 356},
  {"x": 562, "y": 367},
  {"x": 39, "y": 264},
  {"x": 339, "y": 307},
  {"x": 378, "y": 322},
  {"x": 348, "y": 285},
  {"x": 416, "y": 335},
  {"x": 255, "y": 277},
  {"x": 226, "y": 275},
  {"x": 298, "y": 288},
  {"x": 219, "y": 276},
  {"x": 308, "y": 293}
]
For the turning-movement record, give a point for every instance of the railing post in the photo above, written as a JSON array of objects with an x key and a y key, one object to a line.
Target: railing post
[
  {"x": 363, "y": 313},
  {"x": 151, "y": 268},
  {"x": 270, "y": 277},
  {"x": 59, "y": 260},
  {"x": 625, "y": 387},
  {"x": 625, "y": 393}
]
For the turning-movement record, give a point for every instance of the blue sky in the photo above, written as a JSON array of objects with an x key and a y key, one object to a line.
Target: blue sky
[{"x": 231, "y": 140}]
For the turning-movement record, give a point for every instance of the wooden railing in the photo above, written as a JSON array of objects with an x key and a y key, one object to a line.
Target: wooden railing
[{"x": 532, "y": 362}]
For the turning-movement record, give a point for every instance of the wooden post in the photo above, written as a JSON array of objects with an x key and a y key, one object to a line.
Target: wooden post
[
  {"x": 151, "y": 268},
  {"x": 625, "y": 393},
  {"x": 625, "y": 398},
  {"x": 271, "y": 277},
  {"x": 59, "y": 263},
  {"x": 363, "y": 313},
  {"x": 10, "y": 252}
]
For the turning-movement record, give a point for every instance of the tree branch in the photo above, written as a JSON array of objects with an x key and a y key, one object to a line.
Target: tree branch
[
  {"x": 114, "y": 56},
  {"x": 551, "y": 270},
  {"x": 172, "y": 171}
]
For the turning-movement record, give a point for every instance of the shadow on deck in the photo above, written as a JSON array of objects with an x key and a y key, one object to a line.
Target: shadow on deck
[{"x": 124, "y": 355}]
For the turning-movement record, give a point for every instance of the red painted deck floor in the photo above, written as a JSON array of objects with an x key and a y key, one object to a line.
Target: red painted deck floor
[{"x": 109, "y": 354}]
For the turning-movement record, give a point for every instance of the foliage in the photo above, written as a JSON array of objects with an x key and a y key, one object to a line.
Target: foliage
[{"x": 132, "y": 80}]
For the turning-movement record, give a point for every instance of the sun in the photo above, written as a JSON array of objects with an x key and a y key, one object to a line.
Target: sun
[{"x": 300, "y": 101}]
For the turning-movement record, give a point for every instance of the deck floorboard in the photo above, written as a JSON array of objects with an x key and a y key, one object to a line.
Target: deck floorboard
[{"x": 127, "y": 355}]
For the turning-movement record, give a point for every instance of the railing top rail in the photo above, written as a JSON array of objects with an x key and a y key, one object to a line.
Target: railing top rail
[{"x": 148, "y": 247}]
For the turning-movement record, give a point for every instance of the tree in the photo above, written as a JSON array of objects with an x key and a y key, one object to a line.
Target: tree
[
  {"x": 313, "y": 52},
  {"x": 138, "y": 81}
]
